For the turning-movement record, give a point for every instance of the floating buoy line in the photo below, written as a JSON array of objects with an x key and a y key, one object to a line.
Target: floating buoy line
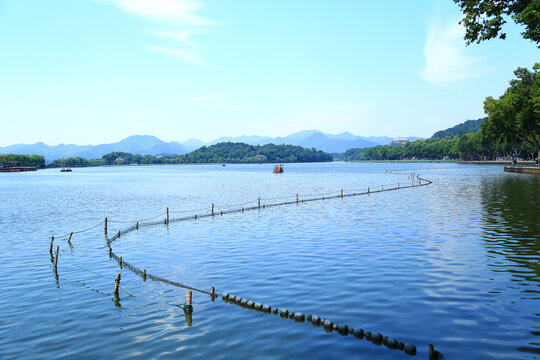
[{"x": 261, "y": 203}]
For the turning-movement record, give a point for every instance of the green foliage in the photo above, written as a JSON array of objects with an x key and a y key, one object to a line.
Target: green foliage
[
  {"x": 24, "y": 160},
  {"x": 484, "y": 19},
  {"x": 514, "y": 118},
  {"x": 243, "y": 153},
  {"x": 469, "y": 126},
  {"x": 472, "y": 146}
]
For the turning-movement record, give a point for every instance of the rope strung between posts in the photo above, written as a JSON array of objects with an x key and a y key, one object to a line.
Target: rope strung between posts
[
  {"x": 80, "y": 231},
  {"x": 134, "y": 221}
]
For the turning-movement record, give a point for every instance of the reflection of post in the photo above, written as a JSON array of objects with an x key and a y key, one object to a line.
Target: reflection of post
[
  {"x": 56, "y": 259},
  {"x": 189, "y": 318}
]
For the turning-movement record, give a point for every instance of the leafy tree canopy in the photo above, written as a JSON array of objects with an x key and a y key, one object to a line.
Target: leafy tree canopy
[
  {"x": 484, "y": 19},
  {"x": 515, "y": 116}
]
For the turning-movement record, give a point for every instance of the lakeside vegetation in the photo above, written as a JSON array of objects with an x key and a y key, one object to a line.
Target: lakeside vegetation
[
  {"x": 511, "y": 129},
  {"x": 24, "y": 160},
  {"x": 226, "y": 152}
]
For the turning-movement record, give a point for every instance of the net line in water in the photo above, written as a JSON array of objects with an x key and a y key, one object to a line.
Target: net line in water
[{"x": 376, "y": 338}]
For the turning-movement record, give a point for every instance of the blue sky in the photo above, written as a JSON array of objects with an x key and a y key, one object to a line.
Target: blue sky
[{"x": 97, "y": 71}]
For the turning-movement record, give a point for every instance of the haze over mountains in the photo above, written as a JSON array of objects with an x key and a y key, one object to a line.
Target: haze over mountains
[{"x": 151, "y": 145}]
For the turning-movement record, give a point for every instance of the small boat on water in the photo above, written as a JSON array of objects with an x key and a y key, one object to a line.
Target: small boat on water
[
  {"x": 278, "y": 169},
  {"x": 65, "y": 170}
]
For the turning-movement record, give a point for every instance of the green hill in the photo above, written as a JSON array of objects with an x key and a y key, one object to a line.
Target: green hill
[
  {"x": 229, "y": 152},
  {"x": 469, "y": 126}
]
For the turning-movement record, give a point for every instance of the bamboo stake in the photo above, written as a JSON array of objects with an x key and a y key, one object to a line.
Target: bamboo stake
[
  {"x": 144, "y": 275},
  {"x": 342, "y": 193},
  {"x": 167, "y": 216},
  {"x": 52, "y": 241},
  {"x": 297, "y": 198},
  {"x": 105, "y": 226},
  {"x": 117, "y": 284},
  {"x": 69, "y": 238},
  {"x": 137, "y": 225},
  {"x": 259, "y": 201},
  {"x": 212, "y": 209}
]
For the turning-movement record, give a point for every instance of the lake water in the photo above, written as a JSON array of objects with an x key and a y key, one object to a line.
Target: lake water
[{"x": 455, "y": 264}]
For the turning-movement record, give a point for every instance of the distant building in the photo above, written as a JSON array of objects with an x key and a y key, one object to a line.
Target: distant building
[{"x": 399, "y": 141}]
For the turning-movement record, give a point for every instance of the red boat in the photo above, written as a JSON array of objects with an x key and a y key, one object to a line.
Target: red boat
[{"x": 278, "y": 169}]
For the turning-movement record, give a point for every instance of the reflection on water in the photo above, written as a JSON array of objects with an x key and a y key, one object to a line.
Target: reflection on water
[
  {"x": 455, "y": 263},
  {"x": 512, "y": 231}
]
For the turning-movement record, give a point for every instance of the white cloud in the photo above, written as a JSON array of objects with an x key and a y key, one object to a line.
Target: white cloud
[
  {"x": 183, "y": 12},
  {"x": 446, "y": 58},
  {"x": 208, "y": 97},
  {"x": 181, "y": 19},
  {"x": 186, "y": 55}
]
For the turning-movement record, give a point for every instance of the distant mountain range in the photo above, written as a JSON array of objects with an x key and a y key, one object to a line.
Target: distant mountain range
[{"x": 151, "y": 145}]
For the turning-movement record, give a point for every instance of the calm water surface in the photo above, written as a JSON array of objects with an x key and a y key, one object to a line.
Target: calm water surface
[{"x": 455, "y": 263}]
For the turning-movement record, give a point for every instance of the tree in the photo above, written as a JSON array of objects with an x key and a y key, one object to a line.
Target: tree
[
  {"x": 515, "y": 117},
  {"x": 484, "y": 19}
]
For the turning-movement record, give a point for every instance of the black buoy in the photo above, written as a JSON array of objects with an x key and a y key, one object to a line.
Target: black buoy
[
  {"x": 224, "y": 296},
  {"x": 376, "y": 338},
  {"x": 291, "y": 315},
  {"x": 309, "y": 318},
  {"x": 244, "y": 301},
  {"x": 392, "y": 343},
  {"x": 358, "y": 333},
  {"x": 284, "y": 313},
  {"x": 434, "y": 354},
  {"x": 410, "y": 349},
  {"x": 250, "y": 304},
  {"x": 328, "y": 324},
  {"x": 275, "y": 311},
  {"x": 266, "y": 308},
  {"x": 257, "y": 306},
  {"x": 368, "y": 335},
  {"x": 315, "y": 320},
  {"x": 343, "y": 329},
  {"x": 299, "y": 317},
  {"x": 351, "y": 330}
]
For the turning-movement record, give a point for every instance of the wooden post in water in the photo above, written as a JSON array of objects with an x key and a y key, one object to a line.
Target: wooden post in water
[
  {"x": 105, "y": 226},
  {"x": 144, "y": 275},
  {"x": 259, "y": 201},
  {"x": 69, "y": 238},
  {"x": 212, "y": 292},
  {"x": 342, "y": 193},
  {"x": 212, "y": 209},
  {"x": 110, "y": 253},
  {"x": 56, "y": 259},
  {"x": 297, "y": 198},
  {"x": 398, "y": 185},
  {"x": 118, "y": 234},
  {"x": 188, "y": 307},
  {"x": 120, "y": 261},
  {"x": 117, "y": 284},
  {"x": 52, "y": 241},
  {"x": 137, "y": 225},
  {"x": 382, "y": 187},
  {"x": 167, "y": 216}
]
